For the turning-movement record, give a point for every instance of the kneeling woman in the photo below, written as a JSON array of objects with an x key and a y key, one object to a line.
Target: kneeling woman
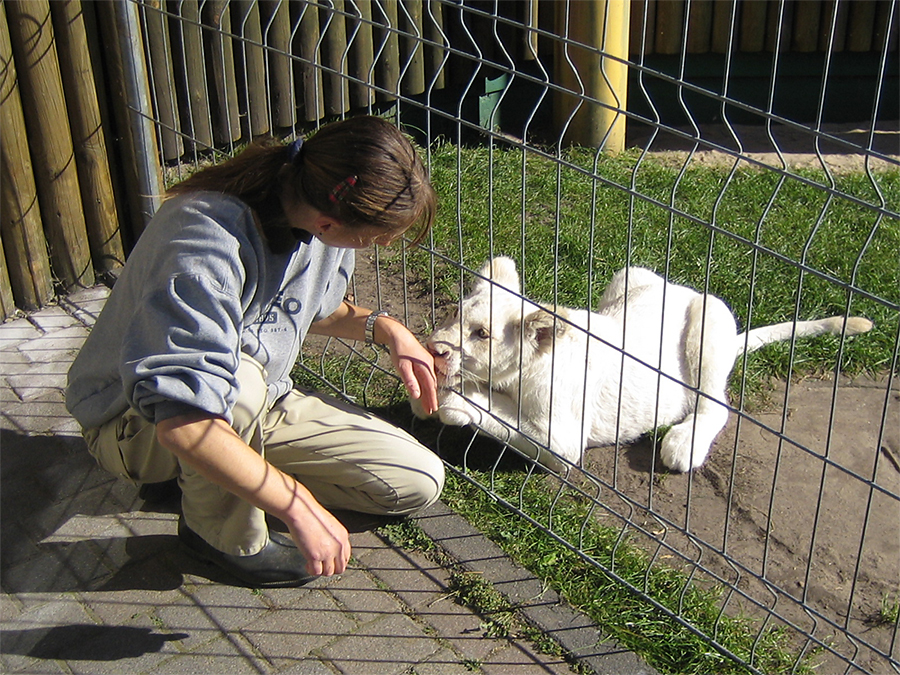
[{"x": 187, "y": 371}]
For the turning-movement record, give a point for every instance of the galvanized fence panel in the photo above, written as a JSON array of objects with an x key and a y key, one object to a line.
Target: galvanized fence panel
[{"x": 802, "y": 536}]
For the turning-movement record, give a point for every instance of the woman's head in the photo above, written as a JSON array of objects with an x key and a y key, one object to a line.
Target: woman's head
[{"x": 362, "y": 171}]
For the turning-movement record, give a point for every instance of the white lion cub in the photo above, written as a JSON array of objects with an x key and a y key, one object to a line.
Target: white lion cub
[{"x": 571, "y": 379}]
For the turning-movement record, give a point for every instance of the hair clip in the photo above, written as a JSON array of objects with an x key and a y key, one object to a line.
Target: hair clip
[
  {"x": 294, "y": 149},
  {"x": 337, "y": 194}
]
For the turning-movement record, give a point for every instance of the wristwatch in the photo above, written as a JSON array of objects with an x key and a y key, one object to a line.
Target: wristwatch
[{"x": 370, "y": 325}]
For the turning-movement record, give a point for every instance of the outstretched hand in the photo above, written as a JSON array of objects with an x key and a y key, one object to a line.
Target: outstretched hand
[{"x": 415, "y": 365}]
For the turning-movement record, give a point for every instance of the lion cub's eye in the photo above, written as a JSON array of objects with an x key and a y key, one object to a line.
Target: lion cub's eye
[{"x": 483, "y": 333}]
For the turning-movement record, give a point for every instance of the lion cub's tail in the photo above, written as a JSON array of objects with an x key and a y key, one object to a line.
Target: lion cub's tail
[{"x": 759, "y": 337}]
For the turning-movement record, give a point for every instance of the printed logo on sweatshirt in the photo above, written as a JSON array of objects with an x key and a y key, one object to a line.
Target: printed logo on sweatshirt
[{"x": 289, "y": 306}]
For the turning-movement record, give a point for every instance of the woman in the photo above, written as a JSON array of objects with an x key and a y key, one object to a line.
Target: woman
[{"x": 187, "y": 371}]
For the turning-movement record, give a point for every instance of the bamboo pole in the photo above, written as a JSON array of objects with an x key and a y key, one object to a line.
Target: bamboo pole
[
  {"x": 97, "y": 194},
  {"x": 412, "y": 52},
  {"x": 25, "y": 258},
  {"x": 254, "y": 66},
  {"x": 362, "y": 57},
  {"x": 310, "y": 75},
  {"x": 223, "y": 89},
  {"x": 163, "y": 79},
  {"x": 598, "y": 121},
  {"x": 50, "y": 138},
  {"x": 335, "y": 58},
  {"x": 387, "y": 68},
  {"x": 277, "y": 36}
]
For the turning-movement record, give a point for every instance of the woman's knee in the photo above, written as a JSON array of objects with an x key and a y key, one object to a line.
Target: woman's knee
[{"x": 422, "y": 487}]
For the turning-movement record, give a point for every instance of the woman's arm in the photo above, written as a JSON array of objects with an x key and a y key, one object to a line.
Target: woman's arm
[
  {"x": 211, "y": 446},
  {"x": 413, "y": 362}
]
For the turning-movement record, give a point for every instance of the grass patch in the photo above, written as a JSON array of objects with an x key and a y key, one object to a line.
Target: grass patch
[{"x": 664, "y": 643}]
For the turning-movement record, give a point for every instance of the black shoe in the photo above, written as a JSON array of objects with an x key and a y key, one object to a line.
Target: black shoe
[
  {"x": 278, "y": 565},
  {"x": 159, "y": 493}
]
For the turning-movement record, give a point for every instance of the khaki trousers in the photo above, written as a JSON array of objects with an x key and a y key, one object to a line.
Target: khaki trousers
[{"x": 347, "y": 458}]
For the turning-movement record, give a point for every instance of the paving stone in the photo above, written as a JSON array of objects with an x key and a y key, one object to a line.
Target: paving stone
[
  {"x": 60, "y": 346},
  {"x": 45, "y": 410},
  {"x": 359, "y": 595},
  {"x": 446, "y": 662},
  {"x": 289, "y": 635},
  {"x": 229, "y": 655},
  {"x": 520, "y": 658},
  {"x": 86, "y": 304},
  {"x": 416, "y": 581},
  {"x": 13, "y": 333},
  {"x": 229, "y": 607},
  {"x": 393, "y": 645},
  {"x": 52, "y": 319}
]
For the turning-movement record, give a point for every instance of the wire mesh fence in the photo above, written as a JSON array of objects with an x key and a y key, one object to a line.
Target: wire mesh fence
[{"x": 748, "y": 150}]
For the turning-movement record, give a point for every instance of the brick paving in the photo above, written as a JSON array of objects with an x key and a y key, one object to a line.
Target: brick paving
[{"x": 93, "y": 580}]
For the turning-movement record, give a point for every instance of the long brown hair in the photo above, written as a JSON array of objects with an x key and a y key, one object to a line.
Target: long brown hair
[{"x": 362, "y": 171}]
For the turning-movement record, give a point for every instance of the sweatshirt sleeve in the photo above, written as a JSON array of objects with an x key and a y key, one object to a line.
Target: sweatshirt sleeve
[{"x": 181, "y": 350}]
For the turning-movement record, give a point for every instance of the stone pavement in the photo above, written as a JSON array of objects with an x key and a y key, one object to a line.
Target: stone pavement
[{"x": 93, "y": 580}]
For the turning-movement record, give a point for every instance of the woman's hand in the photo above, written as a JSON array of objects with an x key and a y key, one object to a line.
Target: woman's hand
[
  {"x": 413, "y": 362},
  {"x": 211, "y": 446}
]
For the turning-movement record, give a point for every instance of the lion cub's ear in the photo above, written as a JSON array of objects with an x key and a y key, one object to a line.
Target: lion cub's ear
[
  {"x": 541, "y": 328},
  {"x": 500, "y": 271}
]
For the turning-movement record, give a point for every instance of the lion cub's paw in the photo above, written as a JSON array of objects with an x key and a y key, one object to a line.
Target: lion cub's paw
[
  {"x": 675, "y": 449},
  {"x": 457, "y": 411}
]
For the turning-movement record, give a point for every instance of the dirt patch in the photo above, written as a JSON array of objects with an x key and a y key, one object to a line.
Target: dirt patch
[
  {"x": 840, "y": 149},
  {"x": 805, "y": 503}
]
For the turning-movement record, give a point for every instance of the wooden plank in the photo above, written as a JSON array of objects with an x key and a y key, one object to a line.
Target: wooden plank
[
  {"x": 436, "y": 51},
  {"x": 25, "y": 258},
  {"x": 362, "y": 56},
  {"x": 308, "y": 45},
  {"x": 223, "y": 104},
  {"x": 861, "y": 26},
  {"x": 276, "y": 31},
  {"x": 642, "y": 36},
  {"x": 669, "y": 26},
  {"x": 7, "y": 301},
  {"x": 806, "y": 26},
  {"x": 723, "y": 21},
  {"x": 752, "y": 35},
  {"x": 193, "y": 67},
  {"x": 50, "y": 140},
  {"x": 412, "y": 52},
  {"x": 839, "y": 41},
  {"x": 699, "y": 38},
  {"x": 157, "y": 32},
  {"x": 335, "y": 57},
  {"x": 91, "y": 157},
  {"x": 387, "y": 50},
  {"x": 253, "y": 65}
]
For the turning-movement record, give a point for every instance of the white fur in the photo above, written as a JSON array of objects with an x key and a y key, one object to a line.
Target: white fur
[{"x": 570, "y": 379}]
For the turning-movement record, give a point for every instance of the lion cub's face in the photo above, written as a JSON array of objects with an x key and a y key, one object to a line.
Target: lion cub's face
[{"x": 495, "y": 334}]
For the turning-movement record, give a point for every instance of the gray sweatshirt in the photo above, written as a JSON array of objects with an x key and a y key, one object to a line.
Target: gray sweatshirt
[{"x": 200, "y": 287}]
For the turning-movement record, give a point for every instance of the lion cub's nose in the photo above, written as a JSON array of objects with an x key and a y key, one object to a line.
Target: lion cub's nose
[{"x": 437, "y": 351}]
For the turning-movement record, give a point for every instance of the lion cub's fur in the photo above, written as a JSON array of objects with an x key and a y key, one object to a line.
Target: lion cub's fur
[{"x": 567, "y": 379}]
